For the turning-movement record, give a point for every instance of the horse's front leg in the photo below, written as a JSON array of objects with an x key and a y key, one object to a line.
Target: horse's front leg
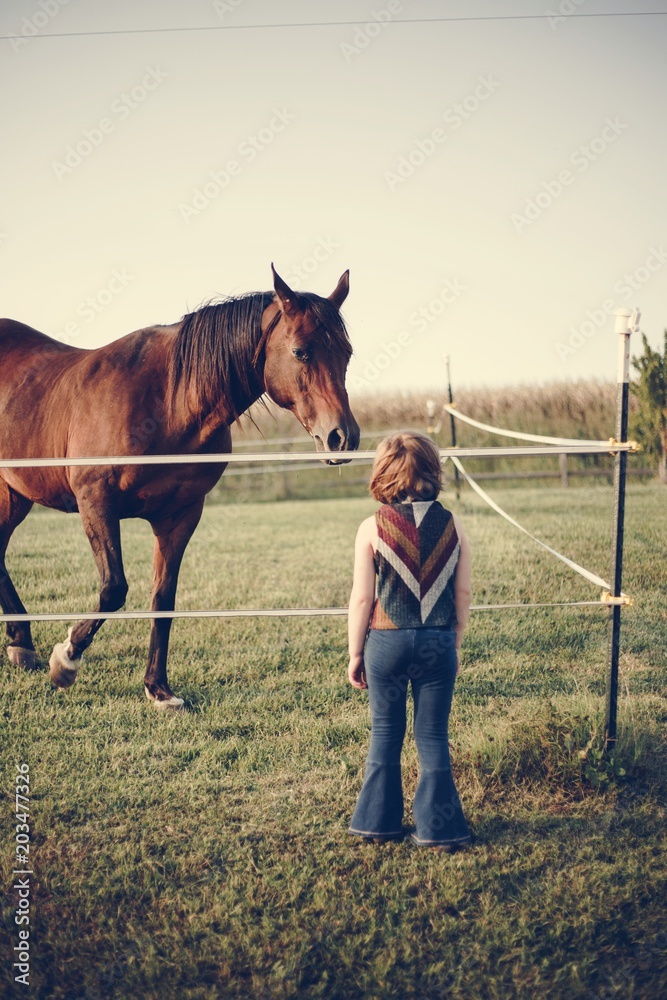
[
  {"x": 171, "y": 538},
  {"x": 102, "y": 527},
  {"x": 13, "y": 509}
]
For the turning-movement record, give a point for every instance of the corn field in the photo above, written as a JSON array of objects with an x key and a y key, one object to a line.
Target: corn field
[{"x": 581, "y": 410}]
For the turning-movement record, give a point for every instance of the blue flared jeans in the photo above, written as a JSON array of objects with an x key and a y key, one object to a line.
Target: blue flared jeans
[{"x": 424, "y": 658}]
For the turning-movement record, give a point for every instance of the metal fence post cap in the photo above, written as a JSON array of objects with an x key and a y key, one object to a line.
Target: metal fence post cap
[{"x": 623, "y": 315}]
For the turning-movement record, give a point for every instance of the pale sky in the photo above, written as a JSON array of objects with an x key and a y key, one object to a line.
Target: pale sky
[{"x": 495, "y": 186}]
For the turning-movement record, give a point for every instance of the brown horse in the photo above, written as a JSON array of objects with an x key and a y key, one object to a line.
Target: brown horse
[{"x": 162, "y": 390}]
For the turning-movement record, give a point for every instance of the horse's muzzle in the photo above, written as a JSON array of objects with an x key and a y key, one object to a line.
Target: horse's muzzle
[{"x": 344, "y": 437}]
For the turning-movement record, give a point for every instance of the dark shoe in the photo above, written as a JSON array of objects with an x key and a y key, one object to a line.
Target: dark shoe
[
  {"x": 451, "y": 848},
  {"x": 381, "y": 839},
  {"x": 446, "y": 847}
]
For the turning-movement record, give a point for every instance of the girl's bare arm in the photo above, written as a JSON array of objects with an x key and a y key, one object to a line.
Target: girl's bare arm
[
  {"x": 361, "y": 601},
  {"x": 462, "y": 583}
]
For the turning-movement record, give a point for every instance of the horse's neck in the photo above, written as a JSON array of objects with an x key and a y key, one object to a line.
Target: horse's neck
[
  {"x": 199, "y": 430},
  {"x": 200, "y": 426},
  {"x": 216, "y": 424},
  {"x": 233, "y": 402}
]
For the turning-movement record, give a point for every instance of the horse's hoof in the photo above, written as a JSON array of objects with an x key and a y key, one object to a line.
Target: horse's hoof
[
  {"x": 21, "y": 657},
  {"x": 173, "y": 703},
  {"x": 63, "y": 670}
]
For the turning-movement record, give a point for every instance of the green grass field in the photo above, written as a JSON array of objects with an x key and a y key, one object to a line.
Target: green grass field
[{"x": 204, "y": 854}]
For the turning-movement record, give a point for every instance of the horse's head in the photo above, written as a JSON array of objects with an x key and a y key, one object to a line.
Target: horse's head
[{"x": 306, "y": 354}]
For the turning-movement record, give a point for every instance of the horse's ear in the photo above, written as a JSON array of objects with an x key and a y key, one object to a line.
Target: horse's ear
[
  {"x": 285, "y": 294},
  {"x": 339, "y": 293}
]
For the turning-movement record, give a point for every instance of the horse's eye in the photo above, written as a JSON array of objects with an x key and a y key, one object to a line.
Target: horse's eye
[{"x": 301, "y": 354}]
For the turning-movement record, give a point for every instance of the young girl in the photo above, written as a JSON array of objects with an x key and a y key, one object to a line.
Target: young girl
[{"x": 415, "y": 551}]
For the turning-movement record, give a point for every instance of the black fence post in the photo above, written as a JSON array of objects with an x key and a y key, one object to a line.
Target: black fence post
[
  {"x": 623, "y": 329},
  {"x": 452, "y": 427}
]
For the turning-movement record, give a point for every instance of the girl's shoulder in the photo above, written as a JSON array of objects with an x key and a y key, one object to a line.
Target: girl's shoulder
[{"x": 367, "y": 528}]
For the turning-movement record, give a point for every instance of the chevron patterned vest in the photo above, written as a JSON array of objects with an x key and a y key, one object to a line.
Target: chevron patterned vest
[{"x": 415, "y": 562}]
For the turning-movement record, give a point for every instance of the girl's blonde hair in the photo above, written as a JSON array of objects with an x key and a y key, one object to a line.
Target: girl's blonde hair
[{"x": 406, "y": 464}]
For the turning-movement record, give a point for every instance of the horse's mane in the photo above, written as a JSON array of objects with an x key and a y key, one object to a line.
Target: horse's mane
[
  {"x": 217, "y": 347},
  {"x": 215, "y": 351}
]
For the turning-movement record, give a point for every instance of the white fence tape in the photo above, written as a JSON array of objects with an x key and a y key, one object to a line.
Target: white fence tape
[
  {"x": 591, "y": 577},
  {"x": 520, "y": 435},
  {"x": 256, "y": 612},
  {"x": 577, "y": 448}
]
